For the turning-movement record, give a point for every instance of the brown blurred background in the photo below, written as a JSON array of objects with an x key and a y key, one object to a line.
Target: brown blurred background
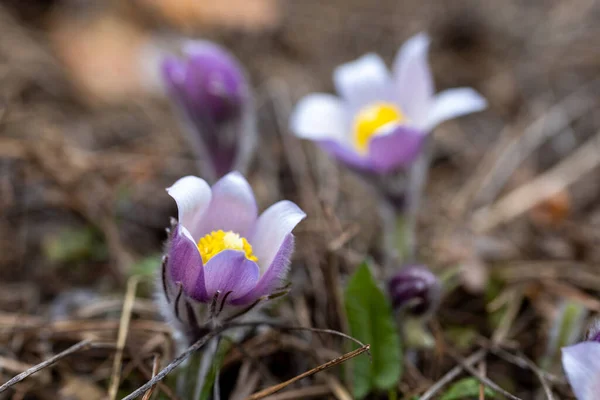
[{"x": 88, "y": 143}]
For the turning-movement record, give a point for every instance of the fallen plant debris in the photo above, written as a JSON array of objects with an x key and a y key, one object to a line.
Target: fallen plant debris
[{"x": 508, "y": 220}]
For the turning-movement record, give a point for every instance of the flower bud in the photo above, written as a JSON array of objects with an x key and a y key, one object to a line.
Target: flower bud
[
  {"x": 209, "y": 88},
  {"x": 593, "y": 334},
  {"x": 415, "y": 290}
]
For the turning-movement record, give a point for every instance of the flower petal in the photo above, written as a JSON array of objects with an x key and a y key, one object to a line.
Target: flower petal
[
  {"x": 581, "y": 363},
  {"x": 364, "y": 81},
  {"x": 184, "y": 265},
  {"x": 320, "y": 116},
  {"x": 192, "y": 196},
  {"x": 396, "y": 149},
  {"x": 452, "y": 103},
  {"x": 345, "y": 154},
  {"x": 273, "y": 226},
  {"x": 230, "y": 271},
  {"x": 232, "y": 207},
  {"x": 173, "y": 72},
  {"x": 413, "y": 80},
  {"x": 276, "y": 272}
]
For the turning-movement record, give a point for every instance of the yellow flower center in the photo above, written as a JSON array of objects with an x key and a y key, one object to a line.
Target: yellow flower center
[
  {"x": 370, "y": 119},
  {"x": 216, "y": 241}
]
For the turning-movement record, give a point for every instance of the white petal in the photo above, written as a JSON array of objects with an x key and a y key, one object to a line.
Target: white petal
[
  {"x": 272, "y": 227},
  {"x": 319, "y": 116},
  {"x": 232, "y": 207},
  {"x": 453, "y": 103},
  {"x": 414, "y": 83},
  {"x": 192, "y": 196},
  {"x": 364, "y": 81},
  {"x": 581, "y": 363}
]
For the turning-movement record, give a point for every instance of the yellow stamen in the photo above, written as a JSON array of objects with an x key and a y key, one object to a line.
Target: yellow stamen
[
  {"x": 216, "y": 241},
  {"x": 370, "y": 119}
]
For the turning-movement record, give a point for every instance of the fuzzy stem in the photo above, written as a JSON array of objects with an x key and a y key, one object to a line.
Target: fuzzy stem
[{"x": 417, "y": 179}]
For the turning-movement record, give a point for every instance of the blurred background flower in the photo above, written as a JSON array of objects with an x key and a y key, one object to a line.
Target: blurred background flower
[
  {"x": 381, "y": 119},
  {"x": 209, "y": 87}
]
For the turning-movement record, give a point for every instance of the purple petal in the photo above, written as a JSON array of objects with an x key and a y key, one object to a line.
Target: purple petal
[
  {"x": 273, "y": 226},
  {"x": 192, "y": 196},
  {"x": 185, "y": 265},
  {"x": 173, "y": 72},
  {"x": 214, "y": 80},
  {"x": 210, "y": 89},
  {"x": 346, "y": 154},
  {"x": 320, "y": 116},
  {"x": 363, "y": 81},
  {"x": 594, "y": 331},
  {"x": 397, "y": 149},
  {"x": 453, "y": 103},
  {"x": 232, "y": 208},
  {"x": 230, "y": 271},
  {"x": 414, "y": 82},
  {"x": 581, "y": 363},
  {"x": 272, "y": 278},
  {"x": 415, "y": 289}
]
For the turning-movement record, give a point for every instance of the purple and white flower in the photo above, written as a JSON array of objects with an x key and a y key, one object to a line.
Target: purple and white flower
[
  {"x": 222, "y": 257},
  {"x": 381, "y": 119},
  {"x": 581, "y": 363},
  {"x": 209, "y": 88}
]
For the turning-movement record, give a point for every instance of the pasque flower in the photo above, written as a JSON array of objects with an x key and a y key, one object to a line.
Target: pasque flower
[
  {"x": 222, "y": 258},
  {"x": 415, "y": 294},
  {"x": 209, "y": 88},
  {"x": 581, "y": 363},
  {"x": 381, "y": 119},
  {"x": 415, "y": 290}
]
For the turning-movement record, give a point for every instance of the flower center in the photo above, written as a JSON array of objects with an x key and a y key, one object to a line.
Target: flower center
[
  {"x": 370, "y": 119},
  {"x": 213, "y": 243}
]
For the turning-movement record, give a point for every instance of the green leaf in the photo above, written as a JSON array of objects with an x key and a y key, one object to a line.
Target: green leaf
[
  {"x": 224, "y": 347},
  {"x": 371, "y": 321},
  {"x": 466, "y": 388}
]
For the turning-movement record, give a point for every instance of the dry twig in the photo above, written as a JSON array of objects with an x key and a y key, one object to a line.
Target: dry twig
[
  {"x": 268, "y": 391},
  {"x": 123, "y": 331},
  {"x": 83, "y": 345}
]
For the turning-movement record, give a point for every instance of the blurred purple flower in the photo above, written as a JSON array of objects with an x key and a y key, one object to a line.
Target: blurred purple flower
[
  {"x": 415, "y": 290},
  {"x": 209, "y": 87},
  {"x": 222, "y": 258},
  {"x": 381, "y": 119},
  {"x": 581, "y": 363}
]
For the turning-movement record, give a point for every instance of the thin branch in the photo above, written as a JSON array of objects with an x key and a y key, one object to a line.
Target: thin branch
[
  {"x": 155, "y": 365},
  {"x": 122, "y": 336},
  {"x": 298, "y": 328},
  {"x": 174, "y": 364},
  {"x": 452, "y": 374},
  {"x": 480, "y": 377},
  {"x": 268, "y": 391},
  {"x": 522, "y": 361},
  {"x": 83, "y": 345}
]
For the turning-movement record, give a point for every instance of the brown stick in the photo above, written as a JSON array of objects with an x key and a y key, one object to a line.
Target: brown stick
[{"x": 270, "y": 390}]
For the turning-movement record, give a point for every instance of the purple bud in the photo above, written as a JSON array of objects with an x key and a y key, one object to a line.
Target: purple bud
[
  {"x": 209, "y": 87},
  {"x": 593, "y": 334},
  {"x": 415, "y": 290}
]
